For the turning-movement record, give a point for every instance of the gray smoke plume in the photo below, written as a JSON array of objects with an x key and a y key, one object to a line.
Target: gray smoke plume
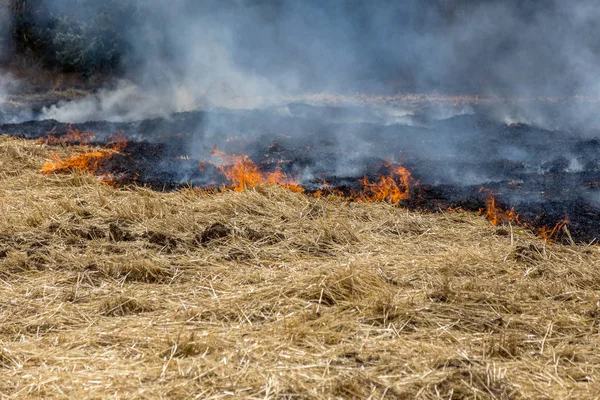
[
  {"x": 246, "y": 53},
  {"x": 5, "y": 26},
  {"x": 7, "y": 82}
]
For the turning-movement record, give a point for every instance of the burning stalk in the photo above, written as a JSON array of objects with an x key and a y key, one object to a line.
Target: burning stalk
[
  {"x": 244, "y": 174},
  {"x": 550, "y": 234},
  {"x": 73, "y": 136},
  {"x": 92, "y": 162},
  {"x": 89, "y": 162},
  {"x": 326, "y": 189},
  {"x": 390, "y": 189},
  {"x": 497, "y": 216}
]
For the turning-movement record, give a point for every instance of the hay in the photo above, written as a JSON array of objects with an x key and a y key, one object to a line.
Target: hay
[{"x": 128, "y": 293}]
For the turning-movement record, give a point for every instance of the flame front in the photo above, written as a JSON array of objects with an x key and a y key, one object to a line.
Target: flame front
[
  {"x": 392, "y": 188},
  {"x": 550, "y": 234},
  {"x": 243, "y": 173},
  {"x": 496, "y": 215},
  {"x": 72, "y": 136},
  {"x": 92, "y": 162},
  {"x": 89, "y": 162}
]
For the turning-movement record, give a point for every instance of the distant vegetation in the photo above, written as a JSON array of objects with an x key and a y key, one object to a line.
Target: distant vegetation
[{"x": 82, "y": 36}]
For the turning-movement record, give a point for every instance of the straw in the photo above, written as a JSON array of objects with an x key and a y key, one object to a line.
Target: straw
[{"x": 293, "y": 297}]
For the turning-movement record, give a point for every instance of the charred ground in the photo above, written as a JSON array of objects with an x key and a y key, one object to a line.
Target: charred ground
[{"x": 547, "y": 175}]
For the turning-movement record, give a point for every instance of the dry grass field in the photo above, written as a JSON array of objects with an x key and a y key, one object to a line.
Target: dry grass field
[{"x": 131, "y": 293}]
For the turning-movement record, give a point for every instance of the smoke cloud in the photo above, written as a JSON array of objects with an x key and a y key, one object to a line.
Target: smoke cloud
[
  {"x": 5, "y": 25},
  {"x": 186, "y": 54}
]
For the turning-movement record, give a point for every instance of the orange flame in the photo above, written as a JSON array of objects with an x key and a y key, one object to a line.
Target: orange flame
[
  {"x": 550, "y": 234},
  {"x": 319, "y": 193},
  {"x": 117, "y": 141},
  {"x": 391, "y": 189},
  {"x": 327, "y": 190},
  {"x": 91, "y": 161},
  {"x": 243, "y": 173},
  {"x": 495, "y": 214},
  {"x": 72, "y": 136}
]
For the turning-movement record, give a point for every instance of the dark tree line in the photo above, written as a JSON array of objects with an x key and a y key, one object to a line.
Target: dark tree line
[{"x": 69, "y": 35}]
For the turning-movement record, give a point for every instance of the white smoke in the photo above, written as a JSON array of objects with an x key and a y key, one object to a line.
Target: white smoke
[
  {"x": 187, "y": 54},
  {"x": 4, "y": 34},
  {"x": 4, "y": 83},
  {"x": 203, "y": 74},
  {"x": 125, "y": 102}
]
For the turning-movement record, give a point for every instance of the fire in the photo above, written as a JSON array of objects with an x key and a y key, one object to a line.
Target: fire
[
  {"x": 117, "y": 141},
  {"x": 279, "y": 178},
  {"x": 327, "y": 190},
  {"x": 495, "y": 214},
  {"x": 319, "y": 193},
  {"x": 91, "y": 161},
  {"x": 550, "y": 234},
  {"x": 391, "y": 189},
  {"x": 72, "y": 136},
  {"x": 243, "y": 173}
]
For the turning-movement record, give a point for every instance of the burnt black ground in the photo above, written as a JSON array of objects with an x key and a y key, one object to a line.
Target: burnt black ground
[{"x": 543, "y": 174}]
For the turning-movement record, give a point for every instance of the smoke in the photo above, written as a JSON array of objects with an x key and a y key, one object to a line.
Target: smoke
[
  {"x": 8, "y": 83},
  {"x": 513, "y": 61},
  {"x": 422, "y": 83},
  {"x": 182, "y": 58},
  {"x": 5, "y": 25},
  {"x": 186, "y": 54},
  {"x": 124, "y": 102}
]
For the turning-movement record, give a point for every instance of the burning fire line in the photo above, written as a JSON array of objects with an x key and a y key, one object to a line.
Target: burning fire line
[
  {"x": 73, "y": 136},
  {"x": 92, "y": 162},
  {"x": 497, "y": 216},
  {"x": 326, "y": 189},
  {"x": 391, "y": 189},
  {"x": 242, "y": 173}
]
